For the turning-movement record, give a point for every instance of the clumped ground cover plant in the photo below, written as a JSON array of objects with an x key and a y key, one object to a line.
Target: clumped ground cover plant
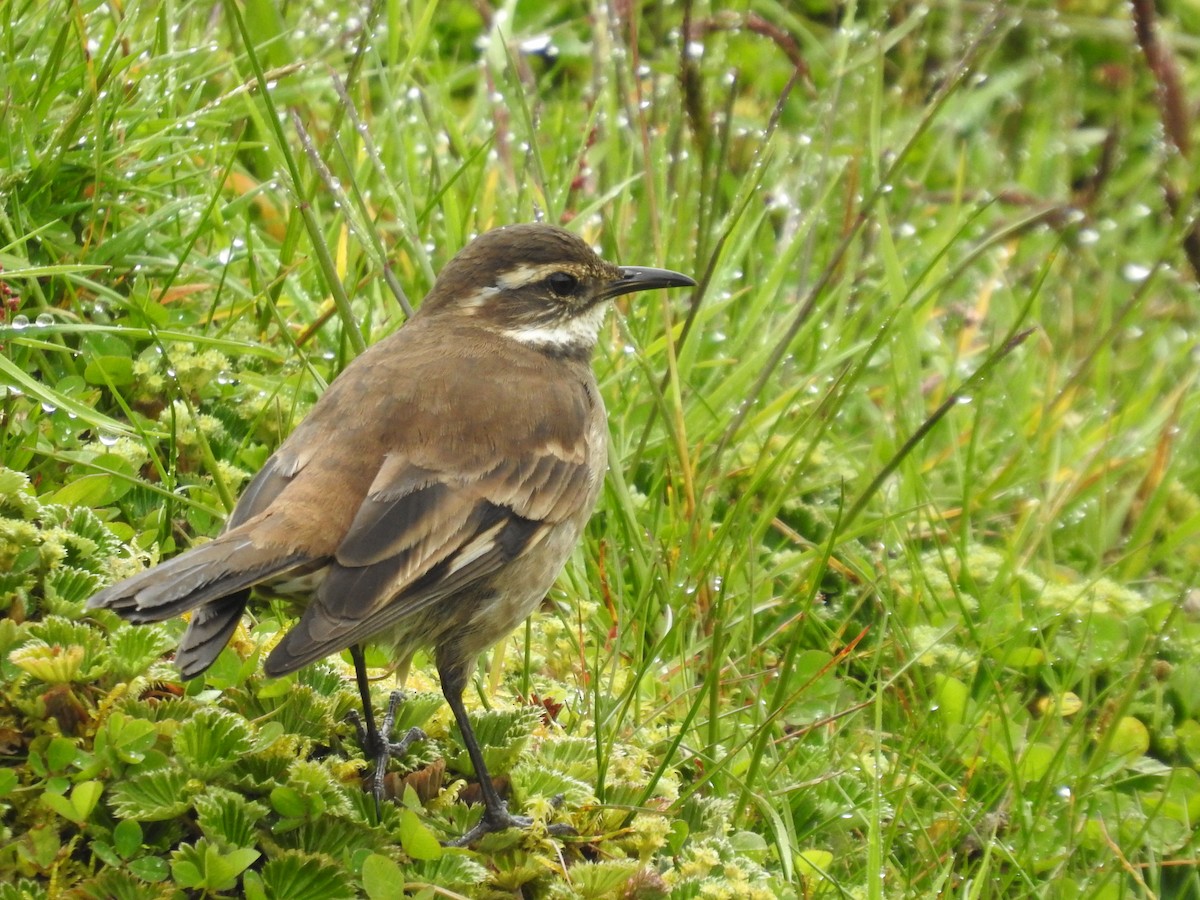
[{"x": 892, "y": 589}]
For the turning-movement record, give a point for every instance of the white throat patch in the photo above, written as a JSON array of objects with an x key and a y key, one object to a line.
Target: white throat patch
[{"x": 576, "y": 331}]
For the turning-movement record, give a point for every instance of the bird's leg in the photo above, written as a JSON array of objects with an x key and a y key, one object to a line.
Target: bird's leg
[
  {"x": 377, "y": 743},
  {"x": 496, "y": 816}
]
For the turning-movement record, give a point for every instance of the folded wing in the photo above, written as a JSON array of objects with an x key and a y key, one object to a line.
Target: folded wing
[{"x": 423, "y": 535}]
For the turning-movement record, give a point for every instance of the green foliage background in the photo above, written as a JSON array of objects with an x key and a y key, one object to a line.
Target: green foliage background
[{"x": 892, "y": 590}]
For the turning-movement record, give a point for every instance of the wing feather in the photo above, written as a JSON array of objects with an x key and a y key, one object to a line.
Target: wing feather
[{"x": 423, "y": 536}]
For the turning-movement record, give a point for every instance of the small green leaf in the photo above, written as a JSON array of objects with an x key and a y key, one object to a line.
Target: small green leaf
[
  {"x": 677, "y": 835},
  {"x": 267, "y": 735},
  {"x": 322, "y": 793},
  {"x": 749, "y": 843},
  {"x": 35, "y": 388},
  {"x": 84, "y": 797},
  {"x": 952, "y": 698},
  {"x": 534, "y": 778},
  {"x": 382, "y": 878},
  {"x": 410, "y": 798},
  {"x": 417, "y": 840},
  {"x": 288, "y": 802},
  {"x": 241, "y": 859},
  {"x": 252, "y": 886},
  {"x": 71, "y": 585},
  {"x": 1024, "y": 657},
  {"x": 8, "y": 781},
  {"x": 187, "y": 874},
  {"x": 814, "y": 863},
  {"x": 60, "y": 754},
  {"x": 62, "y": 806},
  {"x": 153, "y": 796},
  {"x": 127, "y": 837},
  {"x": 231, "y": 670},
  {"x": 130, "y": 738},
  {"x": 150, "y": 868},
  {"x": 51, "y": 664},
  {"x": 273, "y": 688},
  {"x": 212, "y": 740},
  {"x": 1036, "y": 761},
  {"x": 103, "y": 370},
  {"x": 87, "y": 490},
  {"x": 1183, "y": 788},
  {"x": 1130, "y": 737},
  {"x": 37, "y": 765},
  {"x": 44, "y": 845},
  {"x": 416, "y": 710},
  {"x": 105, "y": 853},
  {"x": 105, "y": 343},
  {"x": 204, "y": 867}
]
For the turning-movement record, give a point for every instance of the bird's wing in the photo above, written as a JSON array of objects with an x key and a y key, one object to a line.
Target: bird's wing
[
  {"x": 213, "y": 622},
  {"x": 427, "y": 530},
  {"x": 272, "y": 478}
]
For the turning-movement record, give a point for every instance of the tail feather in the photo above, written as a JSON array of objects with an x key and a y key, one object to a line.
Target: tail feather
[
  {"x": 208, "y": 632},
  {"x": 212, "y": 572}
]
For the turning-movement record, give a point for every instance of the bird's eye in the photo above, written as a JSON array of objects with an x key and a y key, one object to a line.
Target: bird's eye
[{"x": 562, "y": 284}]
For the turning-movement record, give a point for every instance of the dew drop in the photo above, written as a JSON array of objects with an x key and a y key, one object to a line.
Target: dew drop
[{"x": 1135, "y": 272}]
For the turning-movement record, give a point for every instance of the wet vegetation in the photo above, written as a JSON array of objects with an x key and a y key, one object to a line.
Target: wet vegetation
[{"x": 892, "y": 590}]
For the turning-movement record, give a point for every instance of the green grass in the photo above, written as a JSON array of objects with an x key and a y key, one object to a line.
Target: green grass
[{"x": 892, "y": 590}]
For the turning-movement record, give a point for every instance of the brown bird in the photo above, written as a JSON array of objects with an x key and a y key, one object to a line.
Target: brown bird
[{"x": 433, "y": 493}]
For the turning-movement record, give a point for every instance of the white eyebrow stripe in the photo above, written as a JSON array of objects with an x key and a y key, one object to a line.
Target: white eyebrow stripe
[{"x": 524, "y": 275}]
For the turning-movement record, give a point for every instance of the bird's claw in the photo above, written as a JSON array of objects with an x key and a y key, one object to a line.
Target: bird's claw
[
  {"x": 501, "y": 820},
  {"x": 380, "y": 747}
]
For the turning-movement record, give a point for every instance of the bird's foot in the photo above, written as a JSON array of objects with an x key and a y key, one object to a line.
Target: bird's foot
[
  {"x": 380, "y": 747},
  {"x": 500, "y": 820}
]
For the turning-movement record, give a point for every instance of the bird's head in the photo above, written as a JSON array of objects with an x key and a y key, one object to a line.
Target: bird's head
[{"x": 538, "y": 284}]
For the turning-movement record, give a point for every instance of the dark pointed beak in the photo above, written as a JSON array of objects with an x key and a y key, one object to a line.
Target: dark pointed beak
[{"x": 640, "y": 278}]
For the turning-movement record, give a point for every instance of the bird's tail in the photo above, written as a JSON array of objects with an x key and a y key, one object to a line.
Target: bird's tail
[
  {"x": 223, "y": 567},
  {"x": 211, "y": 627}
]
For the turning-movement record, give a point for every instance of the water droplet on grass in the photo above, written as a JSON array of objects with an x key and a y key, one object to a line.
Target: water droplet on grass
[{"x": 1135, "y": 272}]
